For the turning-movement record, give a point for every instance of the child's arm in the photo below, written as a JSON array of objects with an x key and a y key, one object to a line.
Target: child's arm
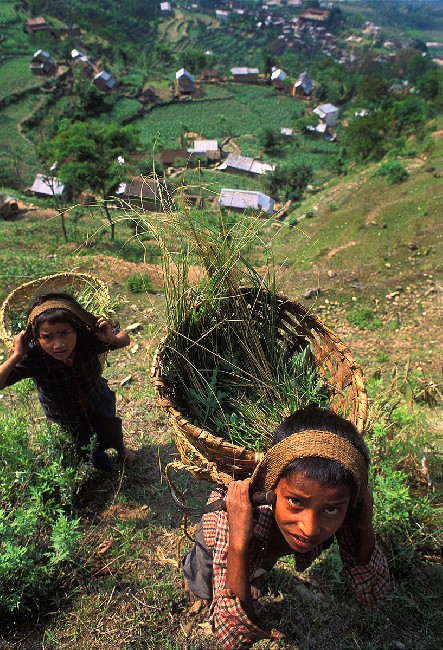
[
  {"x": 364, "y": 564},
  {"x": 106, "y": 335},
  {"x": 241, "y": 528},
  {"x": 364, "y": 529},
  {"x": 19, "y": 351}
]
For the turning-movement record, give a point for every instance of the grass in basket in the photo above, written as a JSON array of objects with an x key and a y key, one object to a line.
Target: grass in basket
[{"x": 231, "y": 369}]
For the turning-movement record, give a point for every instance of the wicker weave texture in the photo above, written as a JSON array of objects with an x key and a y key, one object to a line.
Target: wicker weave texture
[
  {"x": 73, "y": 283},
  {"x": 211, "y": 458}
]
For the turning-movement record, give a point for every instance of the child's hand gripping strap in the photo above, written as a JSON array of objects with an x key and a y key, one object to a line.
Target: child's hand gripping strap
[{"x": 319, "y": 444}]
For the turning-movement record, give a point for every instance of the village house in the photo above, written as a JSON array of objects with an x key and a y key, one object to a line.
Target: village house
[
  {"x": 165, "y": 9},
  {"x": 42, "y": 63},
  {"x": 315, "y": 16},
  {"x": 149, "y": 95},
  {"x": 46, "y": 186},
  {"x": 321, "y": 130},
  {"x": 8, "y": 206},
  {"x": 278, "y": 78},
  {"x": 222, "y": 15},
  {"x": 185, "y": 82},
  {"x": 104, "y": 81},
  {"x": 399, "y": 87},
  {"x": 286, "y": 131},
  {"x": 85, "y": 66},
  {"x": 71, "y": 29},
  {"x": 210, "y": 75},
  {"x": 303, "y": 85},
  {"x": 245, "y": 75},
  {"x": 147, "y": 193},
  {"x": 169, "y": 157},
  {"x": 327, "y": 113},
  {"x": 206, "y": 149},
  {"x": 246, "y": 199},
  {"x": 245, "y": 165},
  {"x": 38, "y": 24}
]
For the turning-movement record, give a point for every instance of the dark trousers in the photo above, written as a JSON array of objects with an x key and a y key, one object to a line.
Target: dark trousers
[{"x": 100, "y": 426}]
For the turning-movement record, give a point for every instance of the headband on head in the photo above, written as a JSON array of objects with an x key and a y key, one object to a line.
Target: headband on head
[
  {"x": 312, "y": 443},
  {"x": 61, "y": 303}
]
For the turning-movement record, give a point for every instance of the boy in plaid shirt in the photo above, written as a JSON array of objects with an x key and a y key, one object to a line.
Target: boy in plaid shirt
[{"x": 318, "y": 469}]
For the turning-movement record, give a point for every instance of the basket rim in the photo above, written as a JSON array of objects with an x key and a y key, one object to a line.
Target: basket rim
[
  {"x": 239, "y": 454},
  {"x": 89, "y": 279}
]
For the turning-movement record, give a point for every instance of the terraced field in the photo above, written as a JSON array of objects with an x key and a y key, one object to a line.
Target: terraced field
[
  {"x": 15, "y": 76},
  {"x": 250, "y": 109}
]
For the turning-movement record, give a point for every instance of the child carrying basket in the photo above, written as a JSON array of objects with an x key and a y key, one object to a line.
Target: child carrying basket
[
  {"x": 60, "y": 348},
  {"x": 316, "y": 462}
]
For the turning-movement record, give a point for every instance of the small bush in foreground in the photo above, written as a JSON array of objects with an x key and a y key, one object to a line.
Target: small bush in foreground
[
  {"x": 37, "y": 534},
  {"x": 139, "y": 283},
  {"x": 364, "y": 318},
  {"x": 393, "y": 171}
]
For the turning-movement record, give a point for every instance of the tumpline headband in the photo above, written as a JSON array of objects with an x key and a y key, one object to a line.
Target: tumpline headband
[
  {"x": 59, "y": 303},
  {"x": 318, "y": 444}
]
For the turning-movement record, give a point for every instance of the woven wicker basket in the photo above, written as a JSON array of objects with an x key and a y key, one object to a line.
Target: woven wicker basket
[
  {"x": 17, "y": 302},
  {"x": 214, "y": 459}
]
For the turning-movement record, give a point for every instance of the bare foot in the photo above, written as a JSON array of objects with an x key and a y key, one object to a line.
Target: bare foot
[{"x": 127, "y": 455}]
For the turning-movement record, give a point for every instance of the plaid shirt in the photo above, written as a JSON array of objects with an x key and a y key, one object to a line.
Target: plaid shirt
[
  {"x": 231, "y": 625},
  {"x": 66, "y": 393}
]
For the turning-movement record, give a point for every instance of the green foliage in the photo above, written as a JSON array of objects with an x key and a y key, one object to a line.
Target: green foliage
[
  {"x": 403, "y": 513},
  {"x": 37, "y": 534},
  {"x": 393, "y": 171},
  {"x": 364, "y": 318},
  {"x": 193, "y": 60},
  {"x": 86, "y": 154},
  {"x": 290, "y": 179},
  {"x": 365, "y": 137},
  {"x": 293, "y": 221},
  {"x": 139, "y": 283},
  {"x": 269, "y": 140}
]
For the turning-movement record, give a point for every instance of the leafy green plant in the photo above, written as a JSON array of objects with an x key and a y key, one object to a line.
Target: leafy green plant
[
  {"x": 393, "y": 171},
  {"x": 139, "y": 283},
  {"x": 38, "y": 535},
  {"x": 364, "y": 318}
]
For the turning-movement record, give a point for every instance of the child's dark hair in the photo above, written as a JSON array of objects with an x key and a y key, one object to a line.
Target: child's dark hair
[
  {"x": 323, "y": 470},
  {"x": 55, "y": 314}
]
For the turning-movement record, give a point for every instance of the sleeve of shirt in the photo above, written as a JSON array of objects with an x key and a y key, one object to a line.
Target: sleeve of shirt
[
  {"x": 368, "y": 582},
  {"x": 229, "y": 621},
  {"x": 19, "y": 372}
]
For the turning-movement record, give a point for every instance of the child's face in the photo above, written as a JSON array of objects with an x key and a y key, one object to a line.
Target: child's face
[
  {"x": 57, "y": 339},
  {"x": 308, "y": 512}
]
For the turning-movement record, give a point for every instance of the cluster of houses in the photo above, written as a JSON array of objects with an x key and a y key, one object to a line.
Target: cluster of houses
[{"x": 307, "y": 31}]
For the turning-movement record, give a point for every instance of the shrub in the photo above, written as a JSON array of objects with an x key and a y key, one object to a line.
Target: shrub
[
  {"x": 364, "y": 318},
  {"x": 37, "y": 533},
  {"x": 139, "y": 283},
  {"x": 394, "y": 172},
  {"x": 292, "y": 221}
]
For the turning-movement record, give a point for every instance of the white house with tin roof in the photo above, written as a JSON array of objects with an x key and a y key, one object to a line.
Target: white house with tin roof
[
  {"x": 328, "y": 113},
  {"x": 246, "y": 199}
]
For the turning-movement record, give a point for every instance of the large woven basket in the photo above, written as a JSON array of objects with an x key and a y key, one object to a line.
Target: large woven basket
[
  {"x": 76, "y": 284},
  {"x": 211, "y": 458}
]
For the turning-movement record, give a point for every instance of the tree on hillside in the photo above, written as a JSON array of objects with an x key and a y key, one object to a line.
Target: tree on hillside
[
  {"x": 289, "y": 179},
  {"x": 365, "y": 137},
  {"x": 193, "y": 60},
  {"x": 86, "y": 155},
  {"x": 408, "y": 115},
  {"x": 269, "y": 140}
]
